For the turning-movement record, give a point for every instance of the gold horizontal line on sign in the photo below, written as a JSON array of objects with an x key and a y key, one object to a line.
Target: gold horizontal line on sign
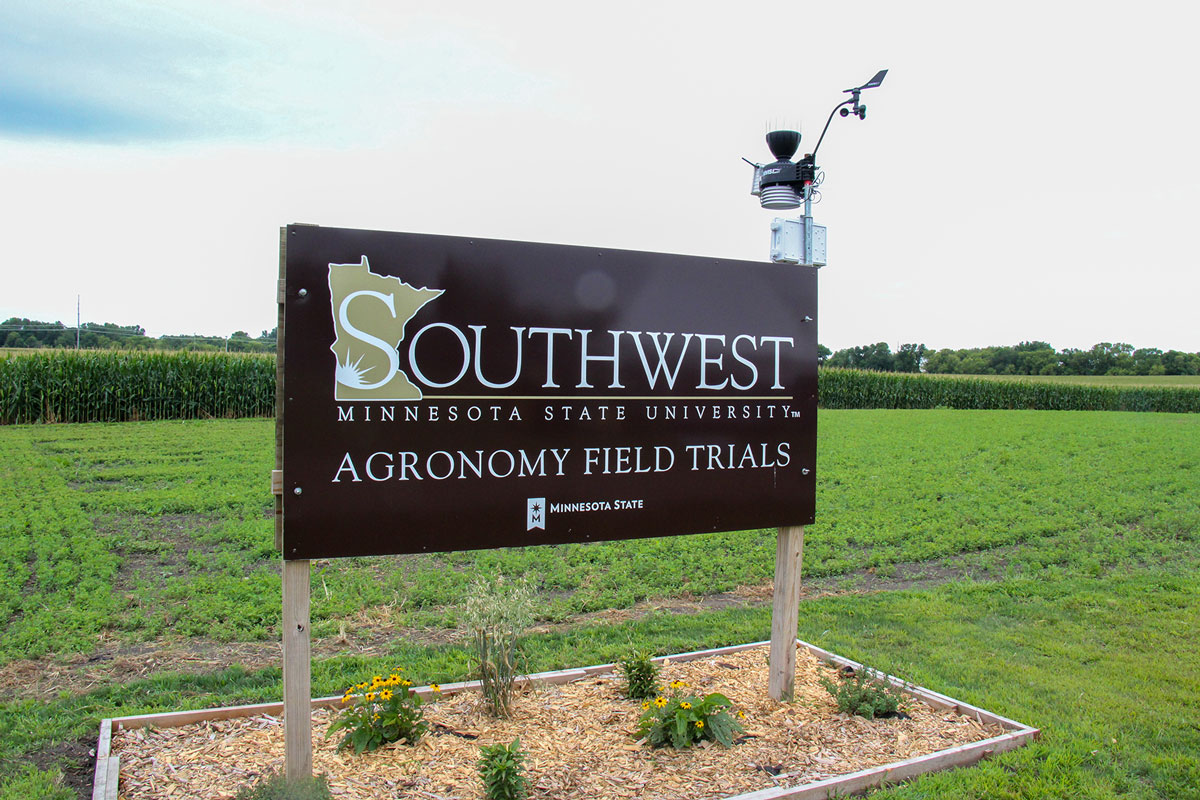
[{"x": 597, "y": 397}]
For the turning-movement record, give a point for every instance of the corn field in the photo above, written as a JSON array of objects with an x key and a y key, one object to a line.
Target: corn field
[
  {"x": 848, "y": 388},
  {"x": 124, "y": 385}
]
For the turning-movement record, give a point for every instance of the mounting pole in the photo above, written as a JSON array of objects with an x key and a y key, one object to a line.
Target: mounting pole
[{"x": 799, "y": 241}]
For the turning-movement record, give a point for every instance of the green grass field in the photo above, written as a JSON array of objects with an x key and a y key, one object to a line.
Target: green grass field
[{"x": 1040, "y": 564}]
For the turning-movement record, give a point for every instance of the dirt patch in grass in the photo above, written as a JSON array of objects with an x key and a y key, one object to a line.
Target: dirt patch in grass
[
  {"x": 76, "y": 761},
  {"x": 153, "y": 547},
  {"x": 370, "y": 635}
]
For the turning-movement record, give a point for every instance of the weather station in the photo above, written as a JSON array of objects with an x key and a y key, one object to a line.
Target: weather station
[{"x": 786, "y": 184}]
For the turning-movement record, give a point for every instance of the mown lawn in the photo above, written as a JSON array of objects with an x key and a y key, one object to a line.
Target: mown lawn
[{"x": 1085, "y": 526}]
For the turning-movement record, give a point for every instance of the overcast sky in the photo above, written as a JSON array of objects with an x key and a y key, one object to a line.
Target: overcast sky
[{"x": 1026, "y": 171}]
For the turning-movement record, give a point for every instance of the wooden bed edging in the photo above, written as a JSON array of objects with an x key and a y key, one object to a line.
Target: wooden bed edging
[{"x": 107, "y": 765}]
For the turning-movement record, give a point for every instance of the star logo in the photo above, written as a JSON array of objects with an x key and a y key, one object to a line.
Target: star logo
[{"x": 534, "y": 517}]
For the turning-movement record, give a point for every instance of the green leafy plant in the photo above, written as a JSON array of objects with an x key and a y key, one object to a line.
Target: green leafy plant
[
  {"x": 502, "y": 768},
  {"x": 682, "y": 719},
  {"x": 497, "y": 612},
  {"x": 379, "y": 712},
  {"x": 641, "y": 675},
  {"x": 861, "y": 692},
  {"x": 275, "y": 786}
]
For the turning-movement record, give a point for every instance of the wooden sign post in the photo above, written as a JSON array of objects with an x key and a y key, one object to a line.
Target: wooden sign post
[
  {"x": 785, "y": 610},
  {"x": 297, "y": 671},
  {"x": 297, "y": 642}
]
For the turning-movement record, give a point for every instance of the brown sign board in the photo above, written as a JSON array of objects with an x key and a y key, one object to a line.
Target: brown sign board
[{"x": 444, "y": 393}]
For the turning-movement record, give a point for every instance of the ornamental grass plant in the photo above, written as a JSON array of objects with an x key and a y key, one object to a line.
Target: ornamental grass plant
[{"x": 496, "y": 613}]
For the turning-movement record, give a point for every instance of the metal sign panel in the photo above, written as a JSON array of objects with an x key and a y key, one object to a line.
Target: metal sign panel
[{"x": 443, "y": 393}]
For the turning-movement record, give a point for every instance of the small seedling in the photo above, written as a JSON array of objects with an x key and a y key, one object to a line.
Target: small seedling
[
  {"x": 641, "y": 675},
  {"x": 502, "y": 768}
]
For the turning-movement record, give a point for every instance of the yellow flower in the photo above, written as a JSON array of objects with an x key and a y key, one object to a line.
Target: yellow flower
[
  {"x": 677, "y": 684},
  {"x": 361, "y": 686},
  {"x": 406, "y": 682},
  {"x": 433, "y": 687},
  {"x": 370, "y": 696},
  {"x": 376, "y": 718},
  {"x": 385, "y": 695},
  {"x": 685, "y": 705},
  {"x": 376, "y": 680},
  {"x": 741, "y": 714},
  {"x": 699, "y": 724},
  {"x": 661, "y": 702},
  {"x": 645, "y": 705},
  {"x": 395, "y": 677}
]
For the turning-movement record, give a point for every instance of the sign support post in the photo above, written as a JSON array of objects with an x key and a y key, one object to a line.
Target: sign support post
[
  {"x": 297, "y": 671},
  {"x": 297, "y": 643},
  {"x": 785, "y": 612}
]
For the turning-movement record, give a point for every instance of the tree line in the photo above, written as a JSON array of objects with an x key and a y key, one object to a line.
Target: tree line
[
  {"x": 18, "y": 332},
  {"x": 1026, "y": 358}
]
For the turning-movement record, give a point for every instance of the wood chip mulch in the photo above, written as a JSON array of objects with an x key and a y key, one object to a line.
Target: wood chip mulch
[{"x": 578, "y": 740}]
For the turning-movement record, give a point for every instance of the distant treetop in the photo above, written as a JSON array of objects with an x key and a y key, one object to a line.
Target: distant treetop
[
  {"x": 20, "y": 332},
  {"x": 1026, "y": 358}
]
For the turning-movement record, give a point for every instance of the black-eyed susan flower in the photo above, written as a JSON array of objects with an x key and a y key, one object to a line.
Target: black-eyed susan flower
[
  {"x": 433, "y": 687},
  {"x": 660, "y": 701},
  {"x": 370, "y": 697},
  {"x": 699, "y": 724},
  {"x": 685, "y": 705},
  {"x": 678, "y": 684},
  {"x": 645, "y": 705},
  {"x": 385, "y": 695}
]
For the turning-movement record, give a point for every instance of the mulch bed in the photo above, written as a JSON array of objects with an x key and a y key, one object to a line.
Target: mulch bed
[{"x": 578, "y": 738}]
